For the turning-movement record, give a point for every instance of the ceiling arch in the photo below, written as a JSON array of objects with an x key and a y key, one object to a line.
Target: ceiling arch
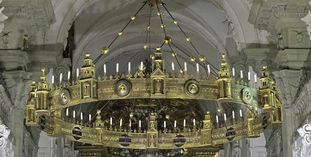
[
  {"x": 195, "y": 18},
  {"x": 203, "y": 19}
]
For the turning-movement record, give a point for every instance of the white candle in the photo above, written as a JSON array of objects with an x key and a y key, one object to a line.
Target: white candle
[
  {"x": 141, "y": 66},
  {"x": 208, "y": 69},
  {"x": 249, "y": 76},
  {"x": 77, "y": 73},
  {"x": 81, "y": 116},
  {"x": 175, "y": 124},
  {"x": 121, "y": 122},
  {"x": 139, "y": 123},
  {"x": 68, "y": 75},
  {"x": 74, "y": 114},
  {"x": 111, "y": 121},
  {"x": 241, "y": 74},
  {"x": 233, "y": 72},
  {"x": 61, "y": 77},
  {"x": 255, "y": 78},
  {"x": 164, "y": 124},
  {"x": 233, "y": 115},
  {"x": 225, "y": 117},
  {"x": 184, "y": 122},
  {"x": 105, "y": 69},
  {"x": 130, "y": 124},
  {"x": 67, "y": 112},
  {"x": 198, "y": 68},
  {"x": 193, "y": 122},
  {"x": 173, "y": 66},
  {"x": 36, "y": 92},
  {"x": 90, "y": 117},
  {"x": 217, "y": 120},
  {"x": 129, "y": 67},
  {"x": 241, "y": 114},
  {"x": 117, "y": 67},
  {"x": 185, "y": 66},
  {"x": 52, "y": 79}
]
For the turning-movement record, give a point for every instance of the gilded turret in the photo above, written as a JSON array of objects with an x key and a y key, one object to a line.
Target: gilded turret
[
  {"x": 207, "y": 130},
  {"x": 42, "y": 94},
  {"x": 158, "y": 75},
  {"x": 152, "y": 133},
  {"x": 98, "y": 122},
  {"x": 88, "y": 68},
  {"x": 269, "y": 97},
  {"x": 88, "y": 81},
  {"x": 266, "y": 91},
  {"x": 224, "y": 80},
  {"x": 30, "y": 107},
  {"x": 252, "y": 132}
]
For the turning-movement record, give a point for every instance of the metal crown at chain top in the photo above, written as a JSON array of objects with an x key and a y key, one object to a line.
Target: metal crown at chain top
[{"x": 136, "y": 110}]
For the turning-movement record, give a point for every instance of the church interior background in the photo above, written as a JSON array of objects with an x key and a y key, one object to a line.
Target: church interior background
[{"x": 155, "y": 78}]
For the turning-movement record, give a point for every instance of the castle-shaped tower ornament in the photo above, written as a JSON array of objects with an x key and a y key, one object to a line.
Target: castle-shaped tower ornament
[
  {"x": 88, "y": 81},
  {"x": 224, "y": 80}
]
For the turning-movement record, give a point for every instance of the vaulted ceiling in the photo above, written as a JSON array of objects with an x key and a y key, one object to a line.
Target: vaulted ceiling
[{"x": 209, "y": 24}]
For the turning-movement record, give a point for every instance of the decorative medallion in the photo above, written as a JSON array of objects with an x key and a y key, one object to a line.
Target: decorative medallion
[
  {"x": 76, "y": 133},
  {"x": 192, "y": 87},
  {"x": 246, "y": 95},
  {"x": 230, "y": 134},
  {"x": 125, "y": 140},
  {"x": 42, "y": 122},
  {"x": 123, "y": 87},
  {"x": 179, "y": 140},
  {"x": 64, "y": 97}
]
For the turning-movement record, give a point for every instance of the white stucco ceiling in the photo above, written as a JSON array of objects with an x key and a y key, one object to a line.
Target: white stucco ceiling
[{"x": 98, "y": 21}]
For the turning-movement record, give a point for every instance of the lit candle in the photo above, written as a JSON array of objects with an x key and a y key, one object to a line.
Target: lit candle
[
  {"x": 241, "y": 114},
  {"x": 184, "y": 122},
  {"x": 139, "y": 123},
  {"x": 173, "y": 66},
  {"x": 185, "y": 66},
  {"x": 164, "y": 124},
  {"x": 241, "y": 74},
  {"x": 225, "y": 117},
  {"x": 129, "y": 67},
  {"x": 141, "y": 66},
  {"x": 52, "y": 79},
  {"x": 77, "y": 73},
  {"x": 74, "y": 114},
  {"x": 67, "y": 112},
  {"x": 111, "y": 121},
  {"x": 233, "y": 115},
  {"x": 81, "y": 116},
  {"x": 130, "y": 124},
  {"x": 233, "y": 72},
  {"x": 193, "y": 122},
  {"x": 249, "y": 76},
  {"x": 217, "y": 120},
  {"x": 117, "y": 67},
  {"x": 121, "y": 122},
  {"x": 208, "y": 69},
  {"x": 61, "y": 77},
  {"x": 90, "y": 117},
  {"x": 68, "y": 75},
  {"x": 175, "y": 124},
  {"x": 198, "y": 68},
  {"x": 105, "y": 69}
]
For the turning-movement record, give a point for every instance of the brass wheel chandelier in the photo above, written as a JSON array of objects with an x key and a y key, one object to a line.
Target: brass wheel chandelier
[{"x": 153, "y": 108}]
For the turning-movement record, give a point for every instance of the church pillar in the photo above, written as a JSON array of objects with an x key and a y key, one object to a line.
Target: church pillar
[{"x": 289, "y": 61}]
